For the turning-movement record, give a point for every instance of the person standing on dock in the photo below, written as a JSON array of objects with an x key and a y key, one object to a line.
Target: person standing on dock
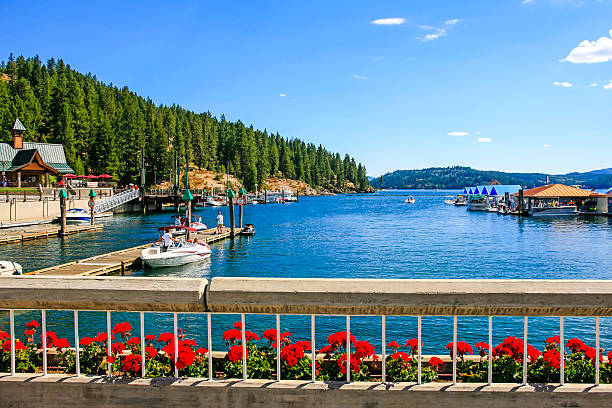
[
  {"x": 167, "y": 240},
  {"x": 219, "y": 223}
]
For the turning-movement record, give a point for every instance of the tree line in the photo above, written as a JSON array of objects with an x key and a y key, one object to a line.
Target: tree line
[
  {"x": 457, "y": 177},
  {"x": 105, "y": 128}
]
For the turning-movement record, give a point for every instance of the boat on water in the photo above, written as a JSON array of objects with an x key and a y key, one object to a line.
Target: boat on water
[
  {"x": 197, "y": 224},
  {"x": 179, "y": 252},
  {"x": 78, "y": 215},
  {"x": 409, "y": 200},
  {"x": 561, "y": 210},
  {"x": 10, "y": 268},
  {"x": 449, "y": 201},
  {"x": 214, "y": 202},
  {"x": 478, "y": 203},
  {"x": 248, "y": 230}
]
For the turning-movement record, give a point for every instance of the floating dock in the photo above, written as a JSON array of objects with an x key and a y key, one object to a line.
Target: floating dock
[
  {"x": 117, "y": 262},
  {"x": 10, "y": 237}
]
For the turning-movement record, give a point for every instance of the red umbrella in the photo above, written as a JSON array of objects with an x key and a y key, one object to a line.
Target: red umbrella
[
  {"x": 91, "y": 176},
  {"x": 69, "y": 176},
  {"x": 81, "y": 176},
  {"x": 105, "y": 176}
]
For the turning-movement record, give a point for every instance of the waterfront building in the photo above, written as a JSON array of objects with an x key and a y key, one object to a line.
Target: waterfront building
[
  {"x": 29, "y": 163},
  {"x": 559, "y": 199}
]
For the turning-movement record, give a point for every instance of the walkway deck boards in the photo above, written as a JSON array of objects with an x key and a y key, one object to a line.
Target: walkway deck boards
[
  {"x": 11, "y": 237},
  {"x": 113, "y": 263}
]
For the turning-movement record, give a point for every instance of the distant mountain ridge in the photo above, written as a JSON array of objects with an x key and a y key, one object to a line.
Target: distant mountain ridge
[{"x": 457, "y": 177}]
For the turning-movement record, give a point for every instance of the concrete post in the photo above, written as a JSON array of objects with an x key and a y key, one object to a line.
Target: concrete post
[{"x": 18, "y": 179}]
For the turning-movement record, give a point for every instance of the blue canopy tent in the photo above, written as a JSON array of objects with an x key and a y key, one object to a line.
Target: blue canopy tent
[
  {"x": 477, "y": 191},
  {"x": 493, "y": 191},
  {"x": 484, "y": 190},
  {"x": 465, "y": 190}
]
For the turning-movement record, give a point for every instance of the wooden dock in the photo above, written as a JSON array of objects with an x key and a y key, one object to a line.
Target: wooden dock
[
  {"x": 117, "y": 262},
  {"x": 10, "y": 237}
]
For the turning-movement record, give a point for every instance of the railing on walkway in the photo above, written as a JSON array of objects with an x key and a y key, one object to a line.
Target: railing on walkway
[
  {"x": 115, "y": 201},
  {"x": 314, "y": 297}
]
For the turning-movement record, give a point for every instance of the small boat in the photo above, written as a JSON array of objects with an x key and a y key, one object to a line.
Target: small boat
[
  {"x": 478, "y": 203},
  {"x": 450, "y": 202},
  {"x": 9, "y": 268},
  {"x": 213, "y": 202},
  {"x": 492, "y": 208},
  {"x": 562, "y": 210},
  {"x": 197, "y": 224},
  {"x": 78, "y": 215},
  {"x": 409, "y": 200},
  {"x": 179, "y": 253},
  {"x": 248, "y": 230}
]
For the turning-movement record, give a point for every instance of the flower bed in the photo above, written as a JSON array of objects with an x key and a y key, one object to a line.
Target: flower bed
[{"x": 296, "y": 363}]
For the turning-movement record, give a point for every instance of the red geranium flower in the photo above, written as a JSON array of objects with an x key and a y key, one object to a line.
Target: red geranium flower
[
  {"x": 462, "y": 348},
  {"x": 327, "y": 350},
  {"x": 151, "y": 351},
  {"x": 250, "y": 336},
  {"x": 186, "y": 357},
  {"x": 482, "y": 345},
  {"x": 435, "y": 361},
  {"x": 404, "y": 356},
  {"x": 394, "y": 345},
  {"x": 61, "y": 343},
  {"x": 363, "y": 349},
  {"x": 610, "y": 357},
  {"x": 117, "y": 348},
  {"x": 553, "y": 340},
  {"x": 235, "y": 353},
  {"x": 355, "y": 363},
  {"x": 29, "y": 332},
  {"x": 576, "y": 345},
  {"x": 304, "y": 344},
  {"x": 4, "y": 335},
  {"x": 270, "y": 335},
  {"x": 201, "y": 351},
  {"x": 590, "y": 353},
  {"x": 110, "y": 359},
  {"x": 414, "y": 345},
  {"x": 133, "y": 341},
  {"x": 132, "y": 363},
  {"x": 552, "y": 358},
  {"x": 149, "y": 337},
  {"x": 86, "y": 341},
  {"x": 103, "y": 337},
  {"x": 232, "y": 335},
  {"x": 165, "y": 337},
  {"x": 122, "y": 328},
  {"x": 188, "y": 342},
  {"x": 32, "y": 323},
  {"x": 291, "y": 353},
  {"x": 238, "y": 325},
  {"x": 339, "y": 339}
]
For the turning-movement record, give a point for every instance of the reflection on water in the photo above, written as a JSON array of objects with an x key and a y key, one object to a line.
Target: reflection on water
[{"x": 359, "y": 236}]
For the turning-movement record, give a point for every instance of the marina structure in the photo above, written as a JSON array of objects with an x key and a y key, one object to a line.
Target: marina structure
[
  {"x": 30, "y": 164},
  {"x": 560, "y": 200}
]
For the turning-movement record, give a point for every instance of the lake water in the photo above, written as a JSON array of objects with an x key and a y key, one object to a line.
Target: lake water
[{"x": 359, "y": 236}]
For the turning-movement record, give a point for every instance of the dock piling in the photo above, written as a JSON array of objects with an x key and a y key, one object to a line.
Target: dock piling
[{"x": 63, "y": 197}]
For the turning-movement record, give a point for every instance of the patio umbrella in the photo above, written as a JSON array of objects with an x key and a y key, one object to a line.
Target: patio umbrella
[
  {"x": 69, "y": 176},
  {"x": 106, "y": 176},
  {"x": 81, "y": 176},
  {"x": 91, "y": 176}
]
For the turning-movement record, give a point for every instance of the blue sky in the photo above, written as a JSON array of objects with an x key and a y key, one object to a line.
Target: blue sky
[{"x": 397, "y": 84}]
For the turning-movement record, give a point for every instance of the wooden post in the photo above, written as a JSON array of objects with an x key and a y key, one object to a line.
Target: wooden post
[
  {"x": 188, "y": 217},
  {"x": 231, "y": 211},
  {"x": 265, "y": 196},
  {"x": 92, "y": 204},
  {"x": 297, "y": 195},
  {"x": 63, "y": 214},
  {"x": 521, "y": 203},
  {"x": 240, "y": 216}
]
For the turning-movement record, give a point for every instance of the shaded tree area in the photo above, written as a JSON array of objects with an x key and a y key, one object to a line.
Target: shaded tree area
[{"x": 104, "y": 129}]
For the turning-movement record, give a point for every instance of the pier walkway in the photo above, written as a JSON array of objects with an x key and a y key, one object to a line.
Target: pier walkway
[
  {"x": 117, "y": 262},
  {"x": 11, "y": 237}
]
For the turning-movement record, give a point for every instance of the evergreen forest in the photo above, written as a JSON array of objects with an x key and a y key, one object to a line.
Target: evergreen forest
[{"x": 105, "y": 129}]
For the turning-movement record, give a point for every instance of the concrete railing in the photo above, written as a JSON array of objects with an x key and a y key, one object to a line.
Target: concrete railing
[{"x": 315, "y": 297}]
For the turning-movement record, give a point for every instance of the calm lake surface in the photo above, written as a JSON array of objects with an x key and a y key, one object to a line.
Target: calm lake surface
[{"x": 358, "y": 236}]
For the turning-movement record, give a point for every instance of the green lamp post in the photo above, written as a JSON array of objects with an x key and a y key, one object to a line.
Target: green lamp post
[
  {"x": 63, "y": 196},
  {"x": 92, "y": 204},
  {"x": 231, "y": 195},
  {"x": 187, "y": 198}
]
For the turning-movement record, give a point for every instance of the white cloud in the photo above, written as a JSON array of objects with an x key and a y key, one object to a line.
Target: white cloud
[
  {"x": 563, "y": 84},
  {"x": 438, "y": 32},
  {"x": 594, "y": 84},
  {"x": 546, "y": 146},
  {"x": 458, "y": 133},
  {"x": 608, "y": 85},
  {"x": 389, "y": 21},
  {"x": 484, "y": 140},
  {"x": 528, "y": 2},
  {"x": 282, "y": 94},
  {"x": 588, "y": 52},
  {"x": 358, "y": 77}
]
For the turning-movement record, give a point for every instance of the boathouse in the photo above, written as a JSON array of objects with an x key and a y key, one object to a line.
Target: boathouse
[
  {"x": 28, "y": 163},
  {"x": 587, "y": 202}
]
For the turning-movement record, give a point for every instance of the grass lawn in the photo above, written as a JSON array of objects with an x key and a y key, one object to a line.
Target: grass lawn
[{"x": 15, "y": 190}]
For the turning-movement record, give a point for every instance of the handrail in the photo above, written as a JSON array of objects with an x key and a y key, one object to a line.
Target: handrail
[
  {"x": 116, "y": 200},
  {"x": 468, "y": 297}
]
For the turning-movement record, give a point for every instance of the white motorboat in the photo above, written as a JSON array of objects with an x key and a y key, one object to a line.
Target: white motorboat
[
  {"x": 562, "y": 210},
  {"x": 197, "y": 224},
  {"x": 9, "y": 268},
  {"x": 213, "y": 202},
  {"x": 180, "y": 253},
  {"x": 78, "y": 215},
  {"x": 448, "y": 201},
  {"x": 409, "y": 200},
  {"x": 478, "y": 203}
]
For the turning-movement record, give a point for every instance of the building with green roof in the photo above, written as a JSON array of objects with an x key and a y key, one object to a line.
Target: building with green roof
[{"x": 29, "y": 163}]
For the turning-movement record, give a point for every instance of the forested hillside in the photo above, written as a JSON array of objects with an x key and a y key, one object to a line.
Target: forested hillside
[
  {"x": 457, "y": 177},
  {"x": 103, "y": 129}
]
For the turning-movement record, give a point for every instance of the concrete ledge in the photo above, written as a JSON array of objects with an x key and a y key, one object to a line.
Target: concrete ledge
[
  {"x": 107, "y": 293},
  {"x": 61, "y": 391},
  {"x": 480, "y": 297}
]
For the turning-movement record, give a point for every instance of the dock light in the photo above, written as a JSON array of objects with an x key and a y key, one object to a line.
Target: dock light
[
  {"x": 63, "y": 194},
  {"x": 92, "y": 193},
  {"x": 187, "y": 195},
  {"x": 242, "y": 191},
  {"x": 230, "y": 193}
]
